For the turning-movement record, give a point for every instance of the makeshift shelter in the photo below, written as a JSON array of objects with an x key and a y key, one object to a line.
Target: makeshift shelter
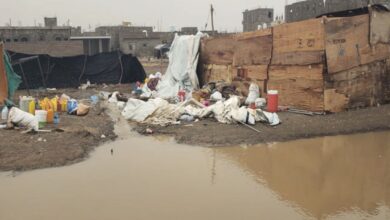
[
  {"x": 324, "y": 64},
  {"x": 9, "y": 80},
  {"x": 64, "y": 72}
]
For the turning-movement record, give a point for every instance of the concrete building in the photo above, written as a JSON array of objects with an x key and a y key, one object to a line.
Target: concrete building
[
  {"x": 304, "y": 10},
  {"x": 312, "y": 8},
  {"x": 258, "y": 18},
  {"x": 94, "y": 44},
  {"x": 116, "y": 31},
  {"x": 189, "y": 30}
]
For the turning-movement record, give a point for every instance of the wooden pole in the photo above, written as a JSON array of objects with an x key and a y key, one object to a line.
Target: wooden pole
[
  {"x": 40, "y": 69},
  {"x": 84, "y": 66},
  {"x": 120, "y": 62},
  {"x": 212, "y": 19},
  {"x": 25, "y": 79}
]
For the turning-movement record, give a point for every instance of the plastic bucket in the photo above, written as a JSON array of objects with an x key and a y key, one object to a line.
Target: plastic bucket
[
  {"x": 272, "y": 101},
  {"x": 41, "y": 116}
]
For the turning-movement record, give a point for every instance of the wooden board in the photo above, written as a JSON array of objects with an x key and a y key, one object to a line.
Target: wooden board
[
  {"x": 249, "y": 73},
  {"x": 216, "y": 73},
  {"x": 334, "y": 101},
  {"x": 3, "y": 78},
  {"x": 253, "y": 51},
  {"x": 253, "y": 34},
  {"x": 379, "y": 27},
  {"x": 363, "y": 85},
  {"x": 377, "y": 52},
  {"x": 310, "y": 72},
  {"x": 219, "y": 50},
  {"x": 301, "y": 87},
  {"x": 347, "y": 44},
  {"x": 299, "y": 58},
  {"x": 300, "y": 94},
  {"x": 306, "y": 35}
]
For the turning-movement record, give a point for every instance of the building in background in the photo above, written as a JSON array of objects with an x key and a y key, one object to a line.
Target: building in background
[
  {"x": 313, "y": 8},
  {"x": 93, "y": 45},
  {"x": 257, "y": 19}
]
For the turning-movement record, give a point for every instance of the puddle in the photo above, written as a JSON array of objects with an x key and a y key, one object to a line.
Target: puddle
[{"x": 345, "y": 177}]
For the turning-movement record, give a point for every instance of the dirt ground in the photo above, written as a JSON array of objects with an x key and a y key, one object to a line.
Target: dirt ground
[
  {"x": 80, "y": 135},
  {"x": 211, "y": 133}
]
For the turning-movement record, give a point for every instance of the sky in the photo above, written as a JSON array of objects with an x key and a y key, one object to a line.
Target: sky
[{"x": 162, "y": 14}]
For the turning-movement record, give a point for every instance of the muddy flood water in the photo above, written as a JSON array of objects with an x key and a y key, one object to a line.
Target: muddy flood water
[{"x": 344, "y": 177}]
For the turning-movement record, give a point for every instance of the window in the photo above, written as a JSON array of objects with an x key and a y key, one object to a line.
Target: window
[
  {"x": 8, "y": 40},
  {"x": 24, "y": 39},
  {"x": 131, "y": 47},
  {"x": 41, "y": 38},
  {"x": 145, "y": 45},
  {"x": 58, "y": 39},
  {"x": 269, "y": 14},
  {"x": 16, "y": 40}
]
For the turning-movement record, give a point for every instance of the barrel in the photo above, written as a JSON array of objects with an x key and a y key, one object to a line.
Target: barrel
[
  {"x": 272, "y": 101},
  {"x": 41, "y": 116}
]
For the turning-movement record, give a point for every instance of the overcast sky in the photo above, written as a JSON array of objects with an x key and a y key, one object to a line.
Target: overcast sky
[{"x": 156, "y": 13}]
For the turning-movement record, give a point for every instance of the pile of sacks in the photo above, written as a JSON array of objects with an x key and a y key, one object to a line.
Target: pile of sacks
[{"x": 158, "y": 111}]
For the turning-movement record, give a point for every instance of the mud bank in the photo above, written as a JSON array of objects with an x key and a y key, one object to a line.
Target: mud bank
[
  {"x": 77, "y": 136},
  {"x": 211, "y": 133}
]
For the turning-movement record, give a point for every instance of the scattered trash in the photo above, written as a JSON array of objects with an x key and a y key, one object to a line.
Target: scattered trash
[
  {"x": 4, "y": 113},
  {"x": 103, "y": 136},
  {"x": 94, "y": 99},
  {"x": 216, "y": 96},
  {"x": 82, "y": 109},
  {"x": 187, "y": 118},
  {"x": 260, "y": 102},
  {"x": 149, "y": 131}
]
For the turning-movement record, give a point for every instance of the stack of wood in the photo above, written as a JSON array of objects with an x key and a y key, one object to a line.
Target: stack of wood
[{"x": 324, "y": 64}]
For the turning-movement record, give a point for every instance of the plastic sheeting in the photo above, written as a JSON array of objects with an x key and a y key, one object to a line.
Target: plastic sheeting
[
  {"x": 181, "y": 71},
  {"x": 68, "y": 72}
]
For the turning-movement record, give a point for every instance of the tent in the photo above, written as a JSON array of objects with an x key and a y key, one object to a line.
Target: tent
[{"x": 71, "y": 72}]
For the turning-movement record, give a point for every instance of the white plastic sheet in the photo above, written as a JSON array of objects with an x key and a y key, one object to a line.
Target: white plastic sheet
[{"x": 181, "y": 71}]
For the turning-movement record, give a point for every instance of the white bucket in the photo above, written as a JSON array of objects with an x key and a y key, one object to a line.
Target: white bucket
[{"x": 41, "y": 116}]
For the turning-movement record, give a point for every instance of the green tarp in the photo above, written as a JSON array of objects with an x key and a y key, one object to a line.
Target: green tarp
[{"x": 14, "y": 79}]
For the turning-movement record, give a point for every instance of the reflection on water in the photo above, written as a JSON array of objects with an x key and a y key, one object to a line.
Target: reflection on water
[{"x": 346, "y": 177}]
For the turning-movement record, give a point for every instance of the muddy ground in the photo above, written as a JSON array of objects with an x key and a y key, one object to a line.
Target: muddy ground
[
  {"x": 80, "y": 135},
  {"x": 211, "y": 133}
]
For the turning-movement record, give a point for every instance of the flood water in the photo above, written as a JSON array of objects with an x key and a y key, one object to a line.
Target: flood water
[{"x": 344, "y": 177}]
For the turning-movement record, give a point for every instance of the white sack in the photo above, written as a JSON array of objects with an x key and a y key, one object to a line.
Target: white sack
[
  {"x": 22, "y": 118},
  {"x": 253, "y": 94}
]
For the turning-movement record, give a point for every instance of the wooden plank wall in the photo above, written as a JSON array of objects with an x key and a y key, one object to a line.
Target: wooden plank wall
[
  {"x": 356, "y": 69},
  {"x": 324, "y": 64},
  {"x": 297, "y": 65}
]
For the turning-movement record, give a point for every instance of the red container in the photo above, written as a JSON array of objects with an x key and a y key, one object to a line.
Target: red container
[
  {"x": 182, "y": 95},
  {"x": 272, "y": 101}
]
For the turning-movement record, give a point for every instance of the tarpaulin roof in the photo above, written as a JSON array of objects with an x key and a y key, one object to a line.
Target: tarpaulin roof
[{"x": 110, "y": 68}]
